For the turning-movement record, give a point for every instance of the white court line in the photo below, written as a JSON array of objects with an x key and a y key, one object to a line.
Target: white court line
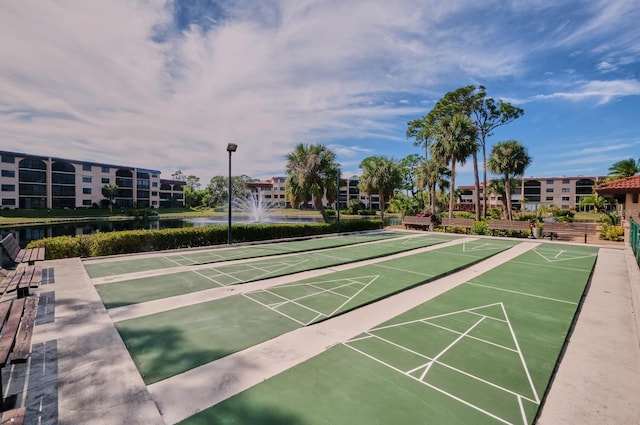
[
  {"x": 454, "y": 342},
  {"x": 524, "y": 362},
  {"x": 549, "y": 265},
  {"x": 521, "y": 293},
  {"x": 354, "y": 295},
  {"x": 403, "y": 270},
  {"x": 219, "y": 274},
  {"x": 282, "y": 313},
  {"x": 471, "y": 336},
  {"x": 522, "y": 412},
  {"x": 458, "y": 399}
]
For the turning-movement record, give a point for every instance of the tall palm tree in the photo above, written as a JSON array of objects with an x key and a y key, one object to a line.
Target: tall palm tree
[
  {"x": 455, "y": 141},
  {"x": 509, "y": 158},
  {"x": 312, "y": 174},
  {"x": 381, "y": 175},
  {"x": 625, "y": 168}
]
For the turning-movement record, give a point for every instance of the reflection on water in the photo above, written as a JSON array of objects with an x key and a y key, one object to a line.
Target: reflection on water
[{"x": 24, "y": 235}]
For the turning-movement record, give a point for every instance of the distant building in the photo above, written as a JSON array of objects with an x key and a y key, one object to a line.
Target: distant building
[
  {"x": 34, "y": 181},
  {"x": 562, "y": 192}
]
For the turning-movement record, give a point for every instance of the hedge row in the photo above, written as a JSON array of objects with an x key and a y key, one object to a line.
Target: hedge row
[{"x": 130, "y": 241}]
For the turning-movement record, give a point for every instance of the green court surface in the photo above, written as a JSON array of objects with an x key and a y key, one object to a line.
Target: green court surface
[
  {"x": 118, "y": 294},
  {"x": 218, "y": 254},
  {"x": 481, "y": 353},
  {"x": 193, "y": 335}
]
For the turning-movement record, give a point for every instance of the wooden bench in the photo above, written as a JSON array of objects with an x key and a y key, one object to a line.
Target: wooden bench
[
  {"x": 464, "y": 223},
  {"x": 12, "y": 254},
  {"x": 509, "y": 226},
  {"x": 17, "y": 318},
  {"x": 412, "y": 221},
  {"x": 571, "y": 230},
  {"x": 14, "y": 416},
  {"x": 22, "y": 279}
]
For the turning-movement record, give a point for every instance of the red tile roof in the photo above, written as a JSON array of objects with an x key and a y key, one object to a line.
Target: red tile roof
[{"x": 625, "y": 185}]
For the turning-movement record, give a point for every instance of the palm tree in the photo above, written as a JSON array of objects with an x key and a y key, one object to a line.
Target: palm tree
[
  {"x": 497, "y": 187},
  {"x": 381, "y": 175},
  {"x": 625, "y": 168},
  {"x": 312, "y": 174},
  {"x": 508, "y": 158},
  {"x": 110, "y": 191},
  {"x": 455, "y": 141}
]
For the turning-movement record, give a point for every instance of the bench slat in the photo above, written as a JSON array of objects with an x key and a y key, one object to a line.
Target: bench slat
[
  {"x": 9, "y": 330},
  {"x": 14, "y": 416},
  {"x": 22, "y": 346}
]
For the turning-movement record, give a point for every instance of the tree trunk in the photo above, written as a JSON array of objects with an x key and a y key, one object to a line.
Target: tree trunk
[
  {"x": 452, "y": 188},
  {"x": 476, "y": 196},
  {"x": 507, "y": 192},
  {"x": 484, "y": 179},
  {"x": 381, "y": 196}
]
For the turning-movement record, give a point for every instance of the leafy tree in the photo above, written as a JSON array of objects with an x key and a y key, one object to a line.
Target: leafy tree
[
  {"x": 455, "y": 141},
  {"x": 179, "y": 175},
  {"x": 382, "y": 176},
  {"x": 486, "y": 113},
  {"x": 110, "y": 191},
  {"x": 433, "y": 173},
  {"x": 312, "y": 174},
  {"x": 218, "y": 189},
  {"x": 403, "y": 204},
  {"x": 497, "y": 187},
  {"x": 409, "y": 167},
  {"x": 510, "y": 159},
  {"x": 489, "y": 114},
  {"x": 625, "y": 168}
]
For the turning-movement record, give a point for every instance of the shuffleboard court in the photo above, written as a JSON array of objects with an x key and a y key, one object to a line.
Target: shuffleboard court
[
  {"x": 218, "y": 254},
  {"x": 171, "y": 342},
  {"x": 481, "y": 353},
  {"x": 133, "y": 291}
]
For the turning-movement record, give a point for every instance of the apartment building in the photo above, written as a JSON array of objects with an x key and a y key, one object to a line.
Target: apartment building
[
  {"x": 563, "y": 192},
  {"x": 34, "y": 181}
]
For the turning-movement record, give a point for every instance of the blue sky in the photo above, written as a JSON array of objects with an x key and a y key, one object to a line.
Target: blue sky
[{"x": 167, "y": 84}]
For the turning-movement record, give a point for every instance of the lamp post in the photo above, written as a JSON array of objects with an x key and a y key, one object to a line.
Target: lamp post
[
  {"x": 338, "y": 204},
  {"x": 231, "y": 147}
]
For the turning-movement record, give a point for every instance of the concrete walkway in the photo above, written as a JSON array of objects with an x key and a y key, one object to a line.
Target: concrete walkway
[{"x": 94, "y": 381}]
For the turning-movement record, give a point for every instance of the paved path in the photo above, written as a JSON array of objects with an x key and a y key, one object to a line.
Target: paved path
[{"x": 93, "y": 380}]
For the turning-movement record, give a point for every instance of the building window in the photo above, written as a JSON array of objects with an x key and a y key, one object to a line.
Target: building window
[
  {"x": 549, "y": 181},
  {"x": 154, "y": 193},
  {"x": 106, "y": 170},
  {"x": 8, "y": 159},
  {"x": 8, "y": 173},
  {"x": 105, "y": 180},
  {"x": 154, "y": 184},
  {"x": 549, "y": 190},
  {"x": 86, "y": 202},
  {"x": 565, "y": 198},
  {"x": 564, "y": 206},
  {"x": 86, "y": 167},
  {"x": 8, "y": 187},
  {"x": 8, "y": 202},
  {"x": 565, "y": 181},
  {"x": 634, "y": 198},
  {"x": 566, "y": 190},
  {"x": 86, "y": 179},
  {"x": 549, "y": 198},
  {"x": 86, "y": 191}
]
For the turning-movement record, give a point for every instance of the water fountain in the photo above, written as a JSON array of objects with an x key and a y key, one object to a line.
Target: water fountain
[{"x": 254, "y": 207}]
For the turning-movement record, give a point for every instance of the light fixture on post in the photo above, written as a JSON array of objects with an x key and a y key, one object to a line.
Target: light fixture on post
[{"x": 231, "y": 147}]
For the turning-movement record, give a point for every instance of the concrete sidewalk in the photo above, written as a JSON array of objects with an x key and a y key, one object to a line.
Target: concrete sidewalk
[{"x": 94, "y": 381}]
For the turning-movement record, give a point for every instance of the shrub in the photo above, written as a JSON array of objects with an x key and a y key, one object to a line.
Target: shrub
[
  {"x": 131, "y": 241},
  {"x": 494, "y": 213},
  {"x": 564, "y": 215},
  {"x": 464, "y": 214},
  {"x": 611, "y": 232},
  {"x": 330, "y": 212},
  {"x": 367, "y": 212},
  {"x": 480, "y": 228}
]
